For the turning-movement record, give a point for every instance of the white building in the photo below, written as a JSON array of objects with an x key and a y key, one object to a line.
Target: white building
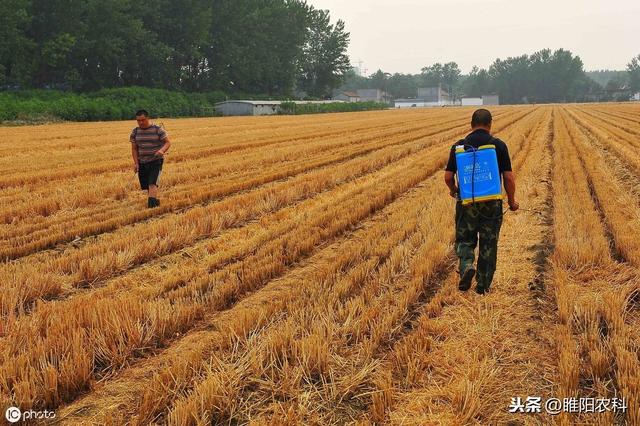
[
  {"x": 418, "y": 103},
  {"x": 348, "y": 97},
  {"x": 490, "y": 100},
  {"x": 471, "y": 101},
  {"x": 636, "y": 97},
  {"x": 240, "y": 107},
  {"x": 227, "y": 108},
  {"x": 373, "y": 95},
  {"x": 435, "y": 96},
  {"x": 409, "y": 103}
]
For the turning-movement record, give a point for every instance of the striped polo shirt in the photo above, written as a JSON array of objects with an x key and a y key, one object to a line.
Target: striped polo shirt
[{"x": 148, "y": 141}]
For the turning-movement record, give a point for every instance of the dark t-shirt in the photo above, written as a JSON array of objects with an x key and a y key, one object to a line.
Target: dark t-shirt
[{"x": 476, "y": 139}]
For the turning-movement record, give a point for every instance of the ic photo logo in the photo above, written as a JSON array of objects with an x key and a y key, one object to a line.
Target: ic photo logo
[{"x": 14, "y": 415}]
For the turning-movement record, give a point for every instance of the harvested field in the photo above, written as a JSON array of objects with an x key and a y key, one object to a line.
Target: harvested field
[{"x": 300, "y": 270}]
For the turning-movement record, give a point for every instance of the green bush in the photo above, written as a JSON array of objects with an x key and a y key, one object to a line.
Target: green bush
[
  {"x": 106, "y": 104},
  {"x": 121, "y": 104},
  {"x": 288, "y": 108},
  {"x": 293, "y": 108}
]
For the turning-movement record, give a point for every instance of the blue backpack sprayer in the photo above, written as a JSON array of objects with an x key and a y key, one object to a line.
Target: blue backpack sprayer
[{"x": 478, "y": 175}]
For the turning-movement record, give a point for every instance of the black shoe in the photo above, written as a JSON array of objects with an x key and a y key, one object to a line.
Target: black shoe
[
  {"x": 150, "y": 202},
  {"x": 157, "y": 202},
  {"x": 465, "y": 279},
  {"x": 481, "y": 290}
]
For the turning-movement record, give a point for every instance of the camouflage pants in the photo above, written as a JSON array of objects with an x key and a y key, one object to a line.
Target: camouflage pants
[{"x": 482, "y": 219}]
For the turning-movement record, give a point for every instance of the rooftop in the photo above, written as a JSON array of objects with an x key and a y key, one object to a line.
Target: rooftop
[{"x": 251, "y": 102}]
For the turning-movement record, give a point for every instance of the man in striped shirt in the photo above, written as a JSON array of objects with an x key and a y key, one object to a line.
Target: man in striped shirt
[{"x": 149, "y": 143}]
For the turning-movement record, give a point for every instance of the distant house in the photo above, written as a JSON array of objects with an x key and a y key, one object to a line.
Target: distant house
[
  {"x": 238, "y": 107},
  {"x": 410, "y": 103},
  {"x": 435, "y": 96},
  {"x": 636, "y": 97},
  {"x": 484, "y": 100},
  {"x": 619, "y": 92},
  {"x": 471, "y": 101},
  {"x": 373, "y": 95},
  {"x": 490, "y": 100},
  {"x": 427, "y": 97},
  {"x": 348, "y": 97},
  {"x": 242, "y": 107}
]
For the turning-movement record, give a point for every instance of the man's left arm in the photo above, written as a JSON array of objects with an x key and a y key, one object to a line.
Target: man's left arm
[
  {"x": 167, "y": 144},
  {"x": 510, "y": 187},
  {"x": 509, "y": 179}
]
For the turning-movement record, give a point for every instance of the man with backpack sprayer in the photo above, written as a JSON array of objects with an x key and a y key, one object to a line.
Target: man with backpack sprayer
[
  {"x": 149, "y": 144},
  {"x": 484, "y": 160}
]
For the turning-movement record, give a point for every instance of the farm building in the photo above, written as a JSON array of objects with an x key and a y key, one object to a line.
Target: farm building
[
  {"x": 409, "y": 103},
  {"x": 434, "y": 96},
  {"x": 471, "y": 101},
  {"x": 636, "y": 97},
  {"x": 347, "y": 97},
  {"x": 248, "y": 107},
  {"x": 239, "y": 107},
  {"x": 484, "y": 100},
  {"x": 490, "y": 100},
  {"x": 373, "y": 95}
]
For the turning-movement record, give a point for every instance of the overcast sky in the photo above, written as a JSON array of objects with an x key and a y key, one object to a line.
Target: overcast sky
[{"x": 405, "y": 35}]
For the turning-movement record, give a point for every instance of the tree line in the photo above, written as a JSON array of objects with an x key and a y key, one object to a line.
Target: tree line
[
  {"x": 542, "y": 77},
  {"x": 270, "y": 47}
]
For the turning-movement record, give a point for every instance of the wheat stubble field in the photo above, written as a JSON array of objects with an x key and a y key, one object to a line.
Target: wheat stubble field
[{"x": 300, "y": 270}]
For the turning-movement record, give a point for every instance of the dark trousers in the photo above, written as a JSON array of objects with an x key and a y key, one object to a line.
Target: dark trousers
[{"x": 482, "y": 219}]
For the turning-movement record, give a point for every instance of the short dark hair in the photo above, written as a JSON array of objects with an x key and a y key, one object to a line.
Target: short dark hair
[
  {"x": 481, "y": 117},
  {"x": 142, "y": 112}
]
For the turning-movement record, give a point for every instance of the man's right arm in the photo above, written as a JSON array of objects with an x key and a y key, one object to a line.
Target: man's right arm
[
  {"x": 134, "y": 155},
  {"x": 510, "y": 187},
  {"x": 450, "y": 181},
  {"x": 449, "y": 174}
]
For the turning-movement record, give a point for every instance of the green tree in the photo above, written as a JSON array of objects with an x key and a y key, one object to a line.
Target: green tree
[
  {"x": 633, "y": 68},
  {"x": 352, "y": 82},
  {"x": 617, "y": 89},
  {"x": 403, "y": 85},
  {"x": 432, "y": 75},
  {"x": 115, "y": 46},
  {"x": 477, "y": 83},
  {"x": 602, "y": 77},
  {"x": 447, "y": 74},
  {"x": 256, "y": 45},
  {"x": 566, "y": 72},
  {"x": 56, "y": 26},
  {"x": 511, "y": 79},
  {"x": 378, "y": 80},
  {"x": 450, "y": 74},
  {"x": 324, "y": 60},
  {"x": 14, "y": 44},
  {"x": 183, "y": 29},
  {"x": 541, "y": 76}
]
